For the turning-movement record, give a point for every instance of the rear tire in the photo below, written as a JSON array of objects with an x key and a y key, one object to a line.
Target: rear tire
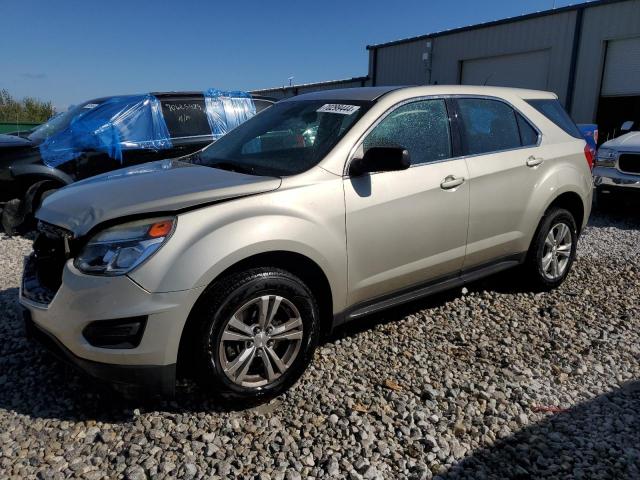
[
  {"x": 552, "y": 250},
  {"x": 255, "y": 333}
]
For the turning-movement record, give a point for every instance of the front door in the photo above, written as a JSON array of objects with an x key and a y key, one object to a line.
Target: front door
[{"x": 408, "y": 227}]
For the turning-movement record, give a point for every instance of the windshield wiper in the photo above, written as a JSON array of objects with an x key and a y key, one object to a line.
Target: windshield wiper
[{"x": 233, "y": 167}]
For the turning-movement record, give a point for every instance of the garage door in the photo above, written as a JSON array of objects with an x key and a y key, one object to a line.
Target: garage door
[
  {"x": 622, "y": 68},
  {"x": 524, "y": 70}
]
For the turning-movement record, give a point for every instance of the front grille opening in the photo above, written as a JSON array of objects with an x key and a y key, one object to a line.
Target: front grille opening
[
  {"x": 42, "y": 275},
  {"x": 629, "y": 162},
  {"x": 49, "y": 257}
]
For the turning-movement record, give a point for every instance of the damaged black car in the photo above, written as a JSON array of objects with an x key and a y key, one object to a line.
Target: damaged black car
[{"x": 109, "y": 133}]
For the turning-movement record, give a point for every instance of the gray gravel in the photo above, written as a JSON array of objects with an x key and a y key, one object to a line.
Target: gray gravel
[{"x": 486, "y": 382}]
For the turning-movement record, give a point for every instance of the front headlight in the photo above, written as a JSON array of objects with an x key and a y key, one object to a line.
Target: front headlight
[
  {"x": 606, "y": 158},
  {"x": 120, "y": 249}
]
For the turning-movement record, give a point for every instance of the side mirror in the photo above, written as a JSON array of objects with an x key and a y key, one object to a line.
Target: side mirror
[
  {"x": 627, "y": 126},
  {"x": 380, "y": 159}
]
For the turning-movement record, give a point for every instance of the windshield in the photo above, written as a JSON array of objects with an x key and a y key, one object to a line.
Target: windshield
[
  {"x": 59, "y": 122},
  {"x": 288, "y": 138}
]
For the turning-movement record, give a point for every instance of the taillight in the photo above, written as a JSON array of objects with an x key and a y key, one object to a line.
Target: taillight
[{"x": 588, "y": 154}]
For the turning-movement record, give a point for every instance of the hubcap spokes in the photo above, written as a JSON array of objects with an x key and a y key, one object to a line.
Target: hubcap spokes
[
  {"x": 260, "y": 341},
  {"x": 557, "y": 251}
]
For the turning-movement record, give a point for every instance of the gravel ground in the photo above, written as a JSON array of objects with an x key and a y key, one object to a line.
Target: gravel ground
[{"x": 486, "y": 382}]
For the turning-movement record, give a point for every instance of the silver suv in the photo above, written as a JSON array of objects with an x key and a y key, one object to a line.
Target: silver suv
[{"x": 230, "y": 264}]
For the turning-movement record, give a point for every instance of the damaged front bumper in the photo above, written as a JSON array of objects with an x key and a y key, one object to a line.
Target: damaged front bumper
[{"x": 62, "y": 318}]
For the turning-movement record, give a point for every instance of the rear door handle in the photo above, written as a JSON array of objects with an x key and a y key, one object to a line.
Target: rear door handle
[
  {"x": 451, "y": 181},
  {"x": 534, "y": 161}
]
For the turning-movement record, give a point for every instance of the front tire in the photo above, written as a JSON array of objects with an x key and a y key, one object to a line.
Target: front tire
[
  {"x": 255, "y": 334},
  {"x": 553, "y": 249}
]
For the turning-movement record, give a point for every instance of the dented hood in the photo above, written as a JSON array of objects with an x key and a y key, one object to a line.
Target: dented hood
[{"x": 156, "y": 187}]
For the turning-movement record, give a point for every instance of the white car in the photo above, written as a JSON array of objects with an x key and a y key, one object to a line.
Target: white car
[{"x": 617, "y": 169}]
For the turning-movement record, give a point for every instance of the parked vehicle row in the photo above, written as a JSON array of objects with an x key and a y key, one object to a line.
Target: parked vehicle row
[
  {"x": 109, "y": 133},
  {"x": 229, "y": 264}
]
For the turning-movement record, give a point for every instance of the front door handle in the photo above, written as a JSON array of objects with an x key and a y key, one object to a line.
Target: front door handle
[
  {"x": 534, "y": 161},
  {"x": 451, "y": 181}
]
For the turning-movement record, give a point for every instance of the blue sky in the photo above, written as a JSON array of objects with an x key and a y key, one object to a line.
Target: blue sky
[{"x": 69, "y": 51}]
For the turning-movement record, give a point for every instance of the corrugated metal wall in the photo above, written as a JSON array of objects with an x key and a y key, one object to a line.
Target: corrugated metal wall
[
  {"x": 285, "y": 92},
  {"x": 552, "y": 32},
  {"x": 403, "y": 63},
  {"x": 600, "y": 23}
]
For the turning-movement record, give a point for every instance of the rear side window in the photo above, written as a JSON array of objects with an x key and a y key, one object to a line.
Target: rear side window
[
  {"x": 528, "y": 135},
  {"x": 185, "y": 117},
  {"x": 552, "y": 109},
  {"x": 421, "y": 127},
  {"x": 487, "y": 126}
]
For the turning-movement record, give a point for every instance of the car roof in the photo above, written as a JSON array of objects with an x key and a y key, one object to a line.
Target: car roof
[
  {"x": 357, "y": 93},
  {"x": 374, "y": 93},
  {"x": 165, "y": 95}
]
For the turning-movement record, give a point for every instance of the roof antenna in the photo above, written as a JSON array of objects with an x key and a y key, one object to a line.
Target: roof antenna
[{"x": 487, "y": 79}]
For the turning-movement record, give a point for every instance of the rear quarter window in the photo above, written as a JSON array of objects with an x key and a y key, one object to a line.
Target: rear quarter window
[{"x": 552, "y": 109}]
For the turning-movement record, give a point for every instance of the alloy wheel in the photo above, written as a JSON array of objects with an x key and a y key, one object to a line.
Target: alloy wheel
[
  {"x": 557, "y": 251},
  {"x": 260, "y": 341}
]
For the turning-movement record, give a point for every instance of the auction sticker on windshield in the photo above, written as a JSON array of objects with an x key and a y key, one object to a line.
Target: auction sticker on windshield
[{"x": 338, "y": 108}]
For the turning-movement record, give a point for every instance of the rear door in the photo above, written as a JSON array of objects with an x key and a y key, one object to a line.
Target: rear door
[
  {"x": 504, "y": 162},
  {"x": 408, "y": 227}
]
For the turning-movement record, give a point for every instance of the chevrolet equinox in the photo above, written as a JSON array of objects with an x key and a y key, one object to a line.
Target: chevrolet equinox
[{"x": 229, "y": 264}]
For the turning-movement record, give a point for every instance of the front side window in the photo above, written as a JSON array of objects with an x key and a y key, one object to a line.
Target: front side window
[
  {"x": 420, "y": 127},
  {"x": 487, "y": 126},
  {"x": 286, "y": 139}
]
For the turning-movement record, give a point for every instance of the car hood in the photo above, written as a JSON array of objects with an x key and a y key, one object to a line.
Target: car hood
[
  {"x": 629, "y": 142},
  {"x": 156, "y": 187},
  {"x": 14, "y": 141}
]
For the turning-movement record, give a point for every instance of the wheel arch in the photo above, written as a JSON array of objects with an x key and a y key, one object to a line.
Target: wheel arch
[
  {"x": 572, "y": 202},
  {"x": 30, "y": 174},
  {"x": 298, "y": 264}
]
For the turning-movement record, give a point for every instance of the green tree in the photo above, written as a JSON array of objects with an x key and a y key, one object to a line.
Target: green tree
[{"x": 28, "y": 110}]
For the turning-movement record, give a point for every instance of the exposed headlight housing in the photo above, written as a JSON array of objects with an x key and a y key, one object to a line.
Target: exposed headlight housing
[
  {"x": 120, "y": 249},
  {"x": 606, "y": 157}
]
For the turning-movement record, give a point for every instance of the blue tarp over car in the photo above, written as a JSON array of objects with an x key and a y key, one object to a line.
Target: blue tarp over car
[{"x": 130, "y": 122}]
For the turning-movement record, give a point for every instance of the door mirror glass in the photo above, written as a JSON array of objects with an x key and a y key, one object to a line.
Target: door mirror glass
[
  {"x": 627, "y": 126},
  {"x": 380, "y": 159}
]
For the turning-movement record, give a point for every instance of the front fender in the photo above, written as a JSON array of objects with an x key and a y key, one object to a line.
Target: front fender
[
  {"x": 42, "y": 172},
  {"x": 210, "y": 240}
]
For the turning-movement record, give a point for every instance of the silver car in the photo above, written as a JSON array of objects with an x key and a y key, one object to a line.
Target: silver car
[{"x": 229, "y": 265}]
